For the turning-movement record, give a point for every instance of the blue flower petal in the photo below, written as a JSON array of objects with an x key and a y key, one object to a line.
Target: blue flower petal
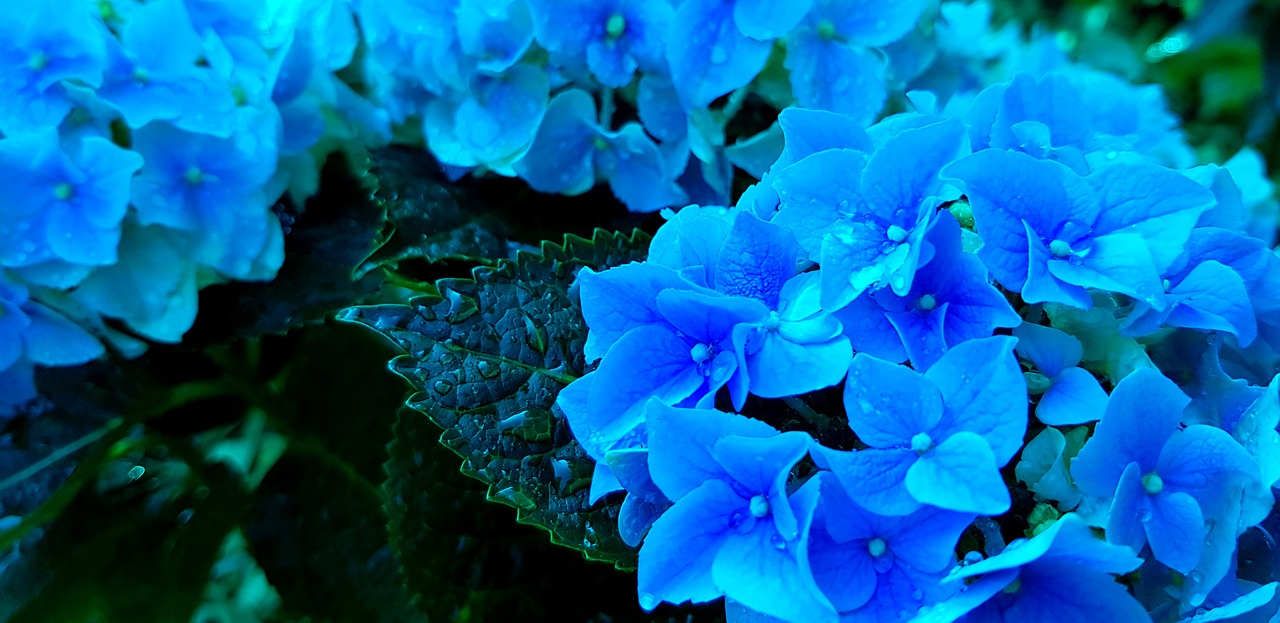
[
  {"x": 561, "y": 158},
  {"x": 757, "y": 258},
  {"x": 768, "y": 19},
  {"x": 1115, "y": 262},
  {"x": 817, "y": 191},
  {"x": 960, "y": 474},
  {"x": 888, "y": 404},
  {"x": 615, "y": 403},
  {"x": 1051, "y": 350},
  {"x": 763, "y": 571},
  {"x": 1142, "y": 413},
  {"x": 808, "y": 131},
  {"x": 1159, "y": 204},
  {"x": 1213, "y": 297},
  {"x": 762, "y": 466},
  {"x": 832, "y": 75},
  {"x": 620, "y": 299},
  {"x": 709, "y": 56},
  {"x": 1176, "y": 531},
  {"x": 985, "y": 393},
  {"x": 874, "y": 23},
  {"x": 681, "y": 547},
  {"x": 681, "y": 442},
  {"x": 872, "y": 478},
  {"x": 1075, "y": 397}
]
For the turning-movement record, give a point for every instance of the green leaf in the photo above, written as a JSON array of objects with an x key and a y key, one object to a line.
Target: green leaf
[
  {"x": 318, "y": 532},
  {"x": 334, "y": 393},
  {"x": 142, "y": 551},
  {"x": 467, "y": 560},
  {"x": 429, "y": 222},
  {"x": 488, "y": 357}
]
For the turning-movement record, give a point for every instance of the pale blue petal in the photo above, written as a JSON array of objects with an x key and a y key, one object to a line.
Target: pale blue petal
[
  {"x": 1142, "y": 413},
  {"x": 709, "y": 56},
  {"x": 756, "y": 260},
  {"x": 870, "y": 331},
  {"x": 1158, "y": 204},
  {"x": 53, "y": 340},
  {"x": 1176, "y": 531},
  {"x": 617, "y": 395},
  {"x": 1115, "y": 262},
  {"x": 562, "y": 156},
  {"x": 874, "y": 22},
  {"x": 1050, "y": 349},
  {"x": 707, "y": 317},
  {"x": 1075, "y": 397},
  {"x": 872, "y": 478},
  {"x": 817, "y": 191},
  {"x": 1219, "y": 299},
  {"x": 808, "y": 131},
  {"x": 768, "y": 19},
  {"x": 681, "y": 442},
  {"x": 985, "y": 393},
  {"x": 784, "y": 368},
  {"x": 1044, "y": 287},
  {"x": 762, "y": 466},
  {"x": 1067, "y": 593},
  {"x": 620, "y": 299},
  {"x": 888, "y": 404},
  {"x": 831, "y": 75},
  {"x": 1205, "y": 462},
  {"x": 636, "y": 171},
  {"x": 922, "y": 334},
  {"x": 1130, "y": 504},
  {"x": 960, "y": 474},
  {"x": 681, "y": 547},
  {"x": 903, "y": 173}
]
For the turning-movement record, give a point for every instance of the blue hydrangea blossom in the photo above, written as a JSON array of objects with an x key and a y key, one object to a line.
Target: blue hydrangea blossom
[
  {"x": 1062, "y": 574},
  {"x": 734, "y": 529},
  {"x": 937, "y": 438},
  {"x": 864, "y": 218},
  {"x": 1164, "y": 482},
  {"x": 1068, "y": 393},
  {"x": 877, "y": 568},
  {"x": 950, "y": 302},
  {"x": 1051, "y": 234}
]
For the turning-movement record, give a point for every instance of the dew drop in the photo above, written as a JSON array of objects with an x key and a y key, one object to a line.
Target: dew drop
[{"x": 442, "y": 387}]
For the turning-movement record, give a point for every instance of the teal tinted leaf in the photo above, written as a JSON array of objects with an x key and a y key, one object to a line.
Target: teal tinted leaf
[
  {"x": 488, "y": 357},
  {"x": 430, "y": 222},
  {"x": 319, "y": 534},
  {"x": 318, "y": 403},
  {"x": 142, "y": 551},
  {"x": 466, "y": 558}
]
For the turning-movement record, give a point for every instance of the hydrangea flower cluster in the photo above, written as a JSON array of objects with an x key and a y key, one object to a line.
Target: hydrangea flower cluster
[
  {"x": 1009, "y": 290},
  {"x": 144, "y": 145},
  {"x": 565, "y": 94}
]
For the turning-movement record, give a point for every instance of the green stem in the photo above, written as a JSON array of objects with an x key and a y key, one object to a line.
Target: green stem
[{"x": 59, "y": 454}]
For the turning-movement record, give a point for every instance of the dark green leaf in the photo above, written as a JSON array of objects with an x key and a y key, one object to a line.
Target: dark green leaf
[
  {"x": 430, "y": 223},
  {"x": 318, "y": 531},
  {"x": 488, "y": 358},
  {"x": 467, "y": 560},
  {"x": 335, "y": 393},
  {"x": 138, "y": 552}
]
